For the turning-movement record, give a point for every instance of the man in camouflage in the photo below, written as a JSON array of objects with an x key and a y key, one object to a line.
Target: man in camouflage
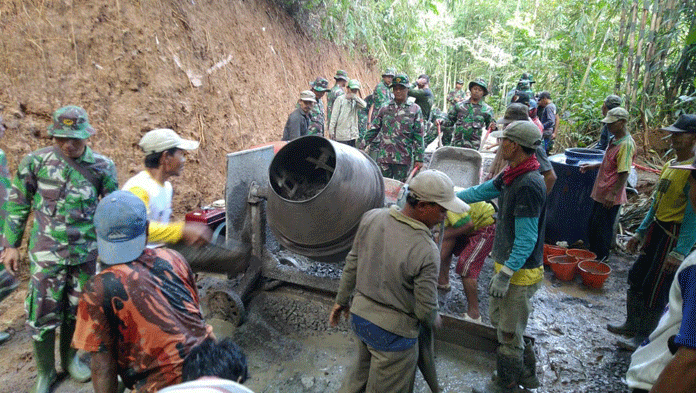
[
  {"x": 397, "y": 133},
  {"x": 456, "y": 95},
  {"x": 316, "y": 116},
  {"x": 470, "y": 116},
  {"x": 62, "y": 184},
  {"x": 7, "y": 281},
  {"x": 383, "y": 94},
  {"x": 338, "y": 89},
  {"x": 363, "y": 118}
]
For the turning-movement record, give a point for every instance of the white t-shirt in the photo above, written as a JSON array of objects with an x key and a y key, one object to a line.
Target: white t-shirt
[
  {"x": 207, "y": 385},
  {"x": 648, "y": 361}
]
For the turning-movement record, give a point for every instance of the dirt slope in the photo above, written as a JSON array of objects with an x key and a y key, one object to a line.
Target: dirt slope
[{"x": 226, "y": 73}]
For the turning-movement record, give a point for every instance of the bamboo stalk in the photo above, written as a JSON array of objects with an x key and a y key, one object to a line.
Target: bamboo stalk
[
  {"x": 623, "y": 31},
  {"x": 631, "y": 55},
  {"x": 639, "y": 52}
]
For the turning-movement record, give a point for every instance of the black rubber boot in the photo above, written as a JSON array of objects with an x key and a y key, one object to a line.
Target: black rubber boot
[
  {"x": 69, "y": 360},
  {"x": 634, "y": 310},
  {"x": 648, "y": 322},
  {"x": 529, "y": 378},
  {"x": 45, "y": 363}
]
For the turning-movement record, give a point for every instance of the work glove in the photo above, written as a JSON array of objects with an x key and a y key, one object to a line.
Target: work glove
[{"x": 500, "y": 282}]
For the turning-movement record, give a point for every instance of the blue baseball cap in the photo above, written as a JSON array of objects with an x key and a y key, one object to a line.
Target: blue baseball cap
[{"x": 121, "y": 224}]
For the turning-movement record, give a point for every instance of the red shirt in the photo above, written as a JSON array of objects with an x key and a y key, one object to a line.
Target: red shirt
[
  {"x": 617, "y": 159},
  {"x": 149, "y": 310}
]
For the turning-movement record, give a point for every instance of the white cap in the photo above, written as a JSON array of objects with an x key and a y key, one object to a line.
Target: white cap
[
  {"x": 162, "y": 139},
  {"x": 435, "y": 186}
]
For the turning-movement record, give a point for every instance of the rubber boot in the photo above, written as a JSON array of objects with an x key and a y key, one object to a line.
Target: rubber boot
[
  {"x": 45, "y": 363},
  {"x": 69, "y": 360},
  {"x": 507, "y": 376},
  {"x": 648, "y": 322},
  {"x": 529, "y": 379},
  {"x": 634, "y": 308},
  {"x": 4, "y": 336}
]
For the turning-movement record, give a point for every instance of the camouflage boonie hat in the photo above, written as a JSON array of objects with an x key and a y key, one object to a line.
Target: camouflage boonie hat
[
  {"x": 340, "y": 74},
  {"x": 320, "y": 84},
  {"x": 460, "y": 81},
  {"x": 401, "y": 79},
  {"x": 480, "y": 82},
  {"x": 353, "y": 84},
  {"x": 389, "y": 72},
  {"x": 70, "y": 122}
]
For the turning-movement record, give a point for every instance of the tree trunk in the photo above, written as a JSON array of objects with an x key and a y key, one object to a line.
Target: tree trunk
[
  {"x": 631, "y": 54},
  {"x": 623, "y": 31}
]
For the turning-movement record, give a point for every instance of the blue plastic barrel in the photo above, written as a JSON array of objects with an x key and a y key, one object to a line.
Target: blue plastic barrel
[{"x": 569, "y": 204}]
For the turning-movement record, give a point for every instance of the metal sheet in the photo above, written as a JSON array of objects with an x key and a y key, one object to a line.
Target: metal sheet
[
  {"x": 243, "y": 168},
  {"x": 462, "y": 165}
]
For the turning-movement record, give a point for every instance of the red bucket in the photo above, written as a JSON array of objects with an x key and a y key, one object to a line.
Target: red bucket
[
  {"x": 581, "y": 255},
  {"x": 563, "y": 266},
  {"x": 594, "y": 273},
  {"x": 552, "y": 251}
]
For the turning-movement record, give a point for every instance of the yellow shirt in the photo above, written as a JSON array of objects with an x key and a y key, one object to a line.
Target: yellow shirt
[
  {"x": 670, "y": 199},
  {"x": 480, "y": 215}
]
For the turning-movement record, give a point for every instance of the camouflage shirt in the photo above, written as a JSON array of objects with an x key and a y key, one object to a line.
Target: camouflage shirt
[
  {"x": 63, "y": 202},
  {"x": 455, "y": 96},
  {"x": 5, "y": 185},
  {"x": 331, "y": 96},
  {"x": 381, "y": 97},
  {"x": 468, "y": 119},
  {"x": 149, "y": 311},
  {"x": 316, "y": 119},
  {"x": 397, "y": 132}
]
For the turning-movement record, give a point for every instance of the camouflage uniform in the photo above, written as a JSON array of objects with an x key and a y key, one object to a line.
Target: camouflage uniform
[
  {"x": 455, "y": 96},
  {"x": 468, "y": 119},
  {"x": 382, "y": 94},
  {"x": 335, "y": 91},
  {"x": 363, "y": 120},
  {"x": 316, "y": 115},
  {"x": 397, "y": 134},
  {"x": 62, "y": 247},
  {"x": 316, "y": 119},
  {"x": 7, "y": 281},
  {"x": 381, "y": 97}
]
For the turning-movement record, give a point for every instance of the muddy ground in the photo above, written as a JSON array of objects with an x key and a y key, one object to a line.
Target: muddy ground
[{"x": 290, "y": 348}]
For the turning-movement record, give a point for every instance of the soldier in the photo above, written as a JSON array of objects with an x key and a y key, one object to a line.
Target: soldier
[
  {"x": 383, "y": 94},
  {"x": 298, "y": 121},
  {"x": 397, "y": 133},
  {"x": 470, "y": 116},
  {"x": 316, "y": 115},
  {"x": 7, "y": 281},
  {"x": 423, "y": 95},
  {"x": 338, "y": 89},
  {"x": 457, "y": 94},
  {"x": 62, "y": 185},
  {"x": 363, "y": 118}
]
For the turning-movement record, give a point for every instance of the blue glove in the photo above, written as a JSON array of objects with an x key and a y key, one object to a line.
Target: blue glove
[{"x": 500, "y": 282}]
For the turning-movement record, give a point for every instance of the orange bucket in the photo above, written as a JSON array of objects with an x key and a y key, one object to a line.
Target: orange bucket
[
  {"x": 580, "y": 254},
  {"x": 552, "y": 251},
  {"x": 563, "y": 266},
  {"x": 594, "y": 273}
]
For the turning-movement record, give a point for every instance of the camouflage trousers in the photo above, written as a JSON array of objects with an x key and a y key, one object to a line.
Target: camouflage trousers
[
  {"x": 395, "y": 171},
  {"x": 7, "y": 282},
  {"x": 470, "y": 139},
  {"x": 53, "y": 293},
  {"x": 472, "y": 144}
]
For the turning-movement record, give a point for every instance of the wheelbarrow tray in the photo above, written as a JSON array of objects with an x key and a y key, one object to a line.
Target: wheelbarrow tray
[{"x": 462, "y": 165}]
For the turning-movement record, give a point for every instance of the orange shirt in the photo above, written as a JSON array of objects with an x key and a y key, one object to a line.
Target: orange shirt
[{"x": 149, "y": 310}]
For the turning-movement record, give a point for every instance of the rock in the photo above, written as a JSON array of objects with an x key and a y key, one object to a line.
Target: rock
[{"x": 307, "y": 382}]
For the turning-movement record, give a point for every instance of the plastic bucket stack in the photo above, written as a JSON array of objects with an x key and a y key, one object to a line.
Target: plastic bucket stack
[
  {"x": 552, "y": 251},
  {"x": 566, "y": 262}
]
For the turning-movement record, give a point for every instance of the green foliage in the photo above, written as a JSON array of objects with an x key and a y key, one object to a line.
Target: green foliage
[{"x": 570, "y": 46}]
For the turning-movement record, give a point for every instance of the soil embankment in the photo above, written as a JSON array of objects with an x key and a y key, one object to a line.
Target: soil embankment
[{"x": 226, "y": 73}]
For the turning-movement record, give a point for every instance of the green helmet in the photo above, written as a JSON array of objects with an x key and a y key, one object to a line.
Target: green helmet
[
  {"x": 70, "y": 122},
  {"x": 481, "y": 83},
  {"x": 401, "y": 79},
  {"x": 389, "y": 72}
]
